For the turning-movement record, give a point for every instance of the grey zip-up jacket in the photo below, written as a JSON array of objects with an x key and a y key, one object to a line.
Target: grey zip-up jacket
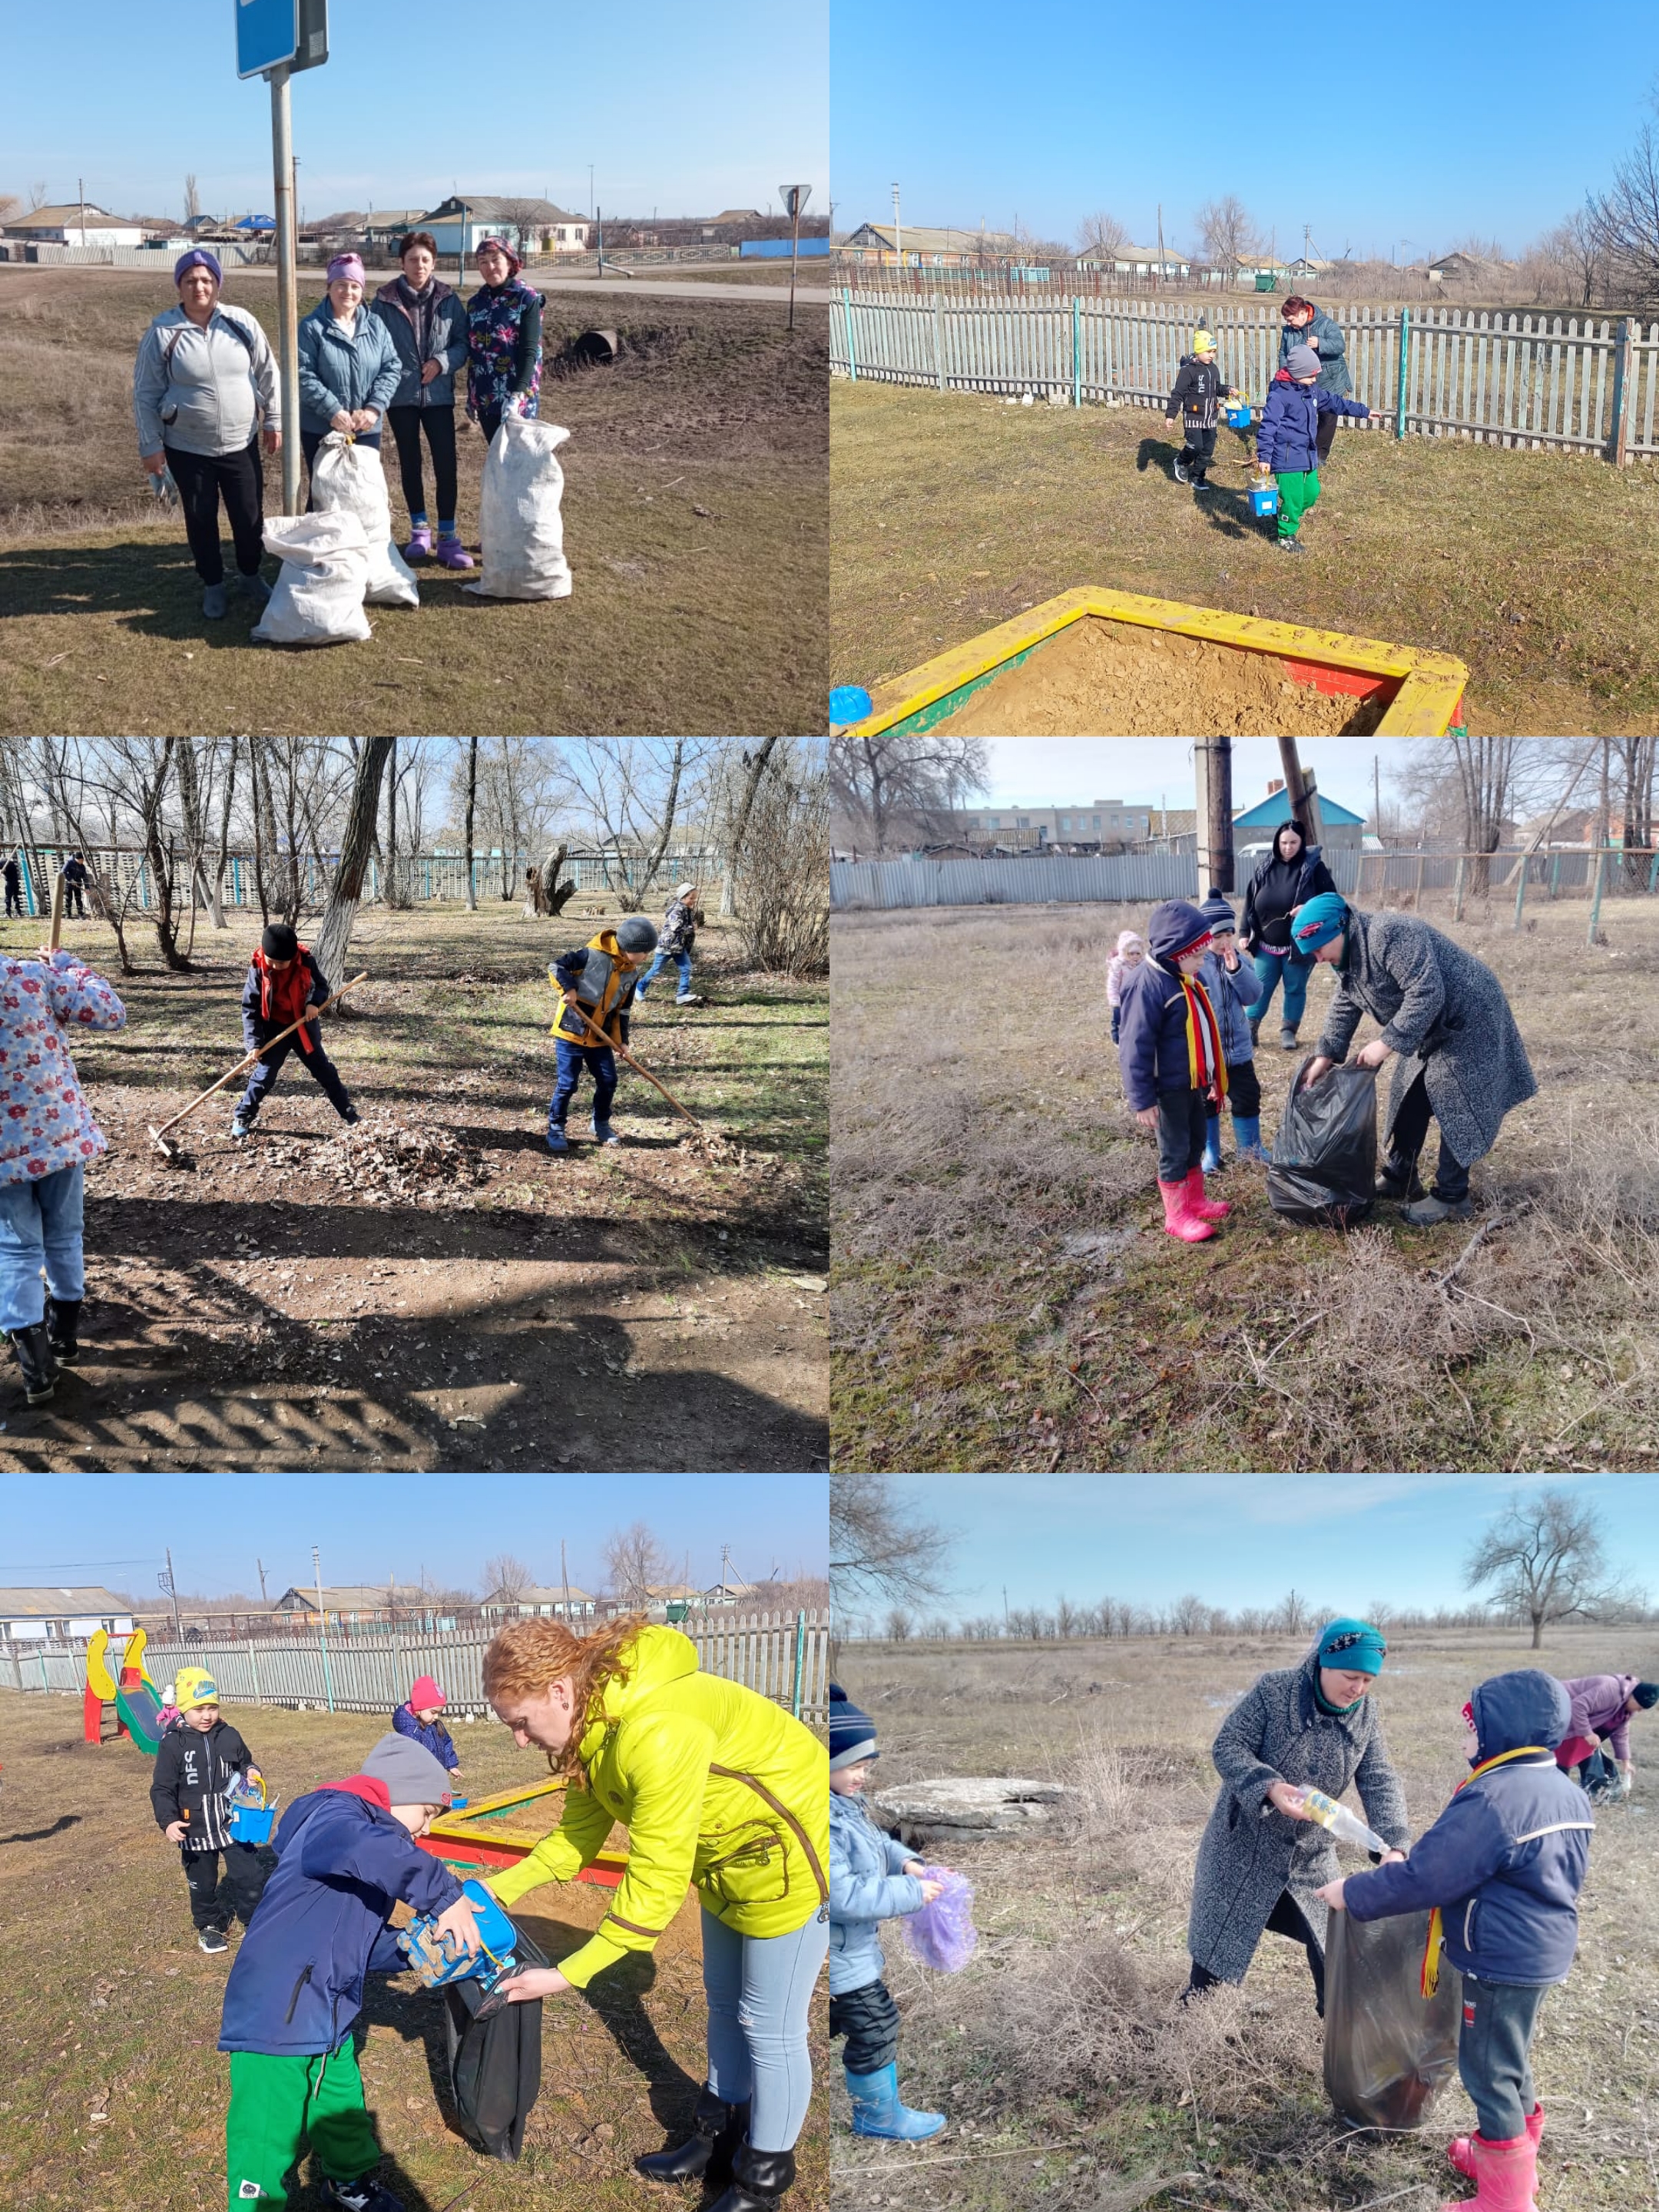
[{"x": 204, "y": 391}]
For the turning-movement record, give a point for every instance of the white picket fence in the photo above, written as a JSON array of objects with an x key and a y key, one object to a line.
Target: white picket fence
[
  {"x": 1585, "y": 385},
  {"x": 783, "y": 1657}
]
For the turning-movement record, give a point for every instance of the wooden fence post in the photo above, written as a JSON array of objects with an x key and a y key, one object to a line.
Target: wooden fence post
[
  {"x": 1520, "y": 891},
  {"x": 1077, "y": 351},
  {"x": 1400, "y": 393},
  {"x": 851, "y": 357},
  {"x": 1457, "y": 902},
  {"x": 939, "y": 341},
  {"x": 1596, "y": 899},
  {"x": 1619, "y": 430},
  {"x": 1555, "y": 873}
]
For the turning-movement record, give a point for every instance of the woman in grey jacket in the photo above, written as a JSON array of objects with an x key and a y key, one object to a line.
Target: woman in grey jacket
[
  {"x": 1262, "y": 1859},
  {"x": 205, "y": 384}
]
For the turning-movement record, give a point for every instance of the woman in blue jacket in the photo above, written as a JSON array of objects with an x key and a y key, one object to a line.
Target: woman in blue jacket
[
  {"x": 1501, "y": 1869},
  {"x": 427, "y": 325},
  {"x": 1287, "y": 437},
  {"x": 348, "y": 367}
]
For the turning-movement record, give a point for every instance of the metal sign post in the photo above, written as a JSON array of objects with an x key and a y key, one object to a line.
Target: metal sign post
[
  {"x": 794, "y": 198},
  {"x": 273, "y": 38}
]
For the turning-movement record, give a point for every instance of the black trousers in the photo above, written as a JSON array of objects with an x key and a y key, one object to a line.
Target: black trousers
[
  {"x": 318, "y": 1066},
  {"x": 246, "y": 1871},
  {"x": 439, "y": 425},
  {"x": 1243, "y": 1088},
  {"x": 1199, "y": 452},
  {"x": 1182, "y": 1115},
  {"x": 1411, "y": 1126},
  {"x": 869, "y": 2020},
  {"x": 203, "y": 479},
  {"x": 14, "y": 898},
  {"x": 1286, "y": 1918},
  {"x": 1325, "y": 437},
  {"x": 73, "y": 903}
]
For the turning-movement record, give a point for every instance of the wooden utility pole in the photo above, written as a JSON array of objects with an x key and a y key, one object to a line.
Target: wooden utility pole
[
  {"x": 1301, "y": 791},
  {"x": 1213, "y": 763}
]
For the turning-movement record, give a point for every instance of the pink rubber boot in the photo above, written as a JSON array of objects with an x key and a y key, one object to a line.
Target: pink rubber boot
[
  {"x": 1177, "y": 1220},
  {"x": 1461, "y": 2149},
  {"x": 452, "y": 554},
  {"x": 419, "y": 547},
  {"x": 1505, "y": 2174},
  {"x": 1206, "y": 1209}
]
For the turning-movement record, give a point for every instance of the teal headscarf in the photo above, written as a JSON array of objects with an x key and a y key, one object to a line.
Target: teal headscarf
[
  {"x": 1318, "y": 921},
  {"x": 1353, "y": 1646}
]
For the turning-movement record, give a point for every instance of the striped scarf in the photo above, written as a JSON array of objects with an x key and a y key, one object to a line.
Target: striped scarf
[{"x": 1198, "y": 1009}]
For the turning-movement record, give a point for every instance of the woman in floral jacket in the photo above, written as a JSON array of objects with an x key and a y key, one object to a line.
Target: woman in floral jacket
[
  {"x": 47, "y": 1135},
  {"x": 504, "y": 340}
]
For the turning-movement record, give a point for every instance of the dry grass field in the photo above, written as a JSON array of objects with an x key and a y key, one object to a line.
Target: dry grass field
[
  {"x": 695, "y": 525},
  {"x": 953, "y": 511},
  {"x": 114, "y": 2096},
  {"x": 1072, "y": 2081},
  {"x": 1005, "y": 1297}
]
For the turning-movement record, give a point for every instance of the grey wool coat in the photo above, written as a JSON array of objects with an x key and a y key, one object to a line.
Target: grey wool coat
[
  {"x": 1444, "y": 1014},
  {"x": 1251, "y": 1852}
]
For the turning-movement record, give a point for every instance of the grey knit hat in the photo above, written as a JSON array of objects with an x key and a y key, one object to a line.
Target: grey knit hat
[
  {"x": 409, "y": 1771},
  {"x": 1302, "y": 361},
  {"x": 1219, "y": 913}
]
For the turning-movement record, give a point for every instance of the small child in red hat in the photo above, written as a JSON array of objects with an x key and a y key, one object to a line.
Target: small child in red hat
[{"x": 419, "y": 1718}]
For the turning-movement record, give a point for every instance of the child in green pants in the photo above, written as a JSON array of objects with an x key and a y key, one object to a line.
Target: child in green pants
[
  {"x": 345, "y": 1854},
  {"x": 1286, "y": 438}
]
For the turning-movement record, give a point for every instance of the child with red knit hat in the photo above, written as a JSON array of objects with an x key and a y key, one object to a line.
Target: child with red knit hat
[
  {"x": 1175, "y": 1067},
  {"x": 418, "y": 1718}
]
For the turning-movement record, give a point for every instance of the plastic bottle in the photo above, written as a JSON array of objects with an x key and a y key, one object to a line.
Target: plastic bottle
[{"x": 1347, "y": 1827}]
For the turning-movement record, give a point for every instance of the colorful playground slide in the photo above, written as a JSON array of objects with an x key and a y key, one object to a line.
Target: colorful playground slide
[{"x": 136, "y": 1701}]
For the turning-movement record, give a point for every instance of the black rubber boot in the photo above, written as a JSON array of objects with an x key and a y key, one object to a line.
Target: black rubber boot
[
  {"x": 34, "y": 1351},
  {"x": 1255, "y": 1030},
  {"x": 718, "y": 2129},
  {"x": 1397, "y": 1178},
  {"x": 63, "y": 1329},
  {"x": 759, "y": 2180}
]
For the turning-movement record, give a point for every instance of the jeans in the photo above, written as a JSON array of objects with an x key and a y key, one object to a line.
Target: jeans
[
  {"x": 1493, "y": 2054},
  {"x": 39, "y": 1227},
  {"x": 1411, "y": 1126},
  {"x": 869, "y": 2020},
  {"x": 309, "y": 441},
  {"x": 203, "y": 479},
  {"x": 317, "y": 1065},
  {"x": 681, "y": 960},
  {"x": 1269, "y": 967},
  {"x": 601, "y": 1064},
  {"x": 439, "y": 425},
  {"x": 1181, "y": 1118},
  {"x": 245, "y": 1875},
  {"x": 760, "y": 1999}
]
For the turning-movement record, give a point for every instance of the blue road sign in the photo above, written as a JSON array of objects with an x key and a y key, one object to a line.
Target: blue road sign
[{"x": 267, "y": 34}]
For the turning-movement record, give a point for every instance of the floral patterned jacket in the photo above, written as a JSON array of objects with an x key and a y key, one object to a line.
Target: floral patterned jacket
[
  {"x": 504, "y": 346},
  {"x": 46, "y": 1123}
]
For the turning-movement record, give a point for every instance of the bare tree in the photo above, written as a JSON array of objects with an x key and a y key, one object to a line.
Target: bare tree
[
  {"x": 1626, "y": 218},
  {"x": 898, "y": 1625},
  {"x": 1543, "y": 1561},
  {"x": 506, "y": 1576},
  {"x": 779, "y": 875},
  {"x": 883, "y": 782},
  {"x": 527, "y": 221},
  {"x": 192, "y": 200},
  {"x": 340, "y": 915},
  {"x": 635, "y": 1562},
  {"x": 1101, "y": 236},
  {"x": 1292, "y": 1616},
  {"x": 1231, "y": 238},
  {"x": 471, "y": 745},
  {"x": 37, "y": 194},
  {"x": 876, "y": 1544}
]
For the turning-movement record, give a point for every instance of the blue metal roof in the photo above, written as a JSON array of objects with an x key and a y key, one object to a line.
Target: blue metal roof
[{"x": 1277, "y": 808}]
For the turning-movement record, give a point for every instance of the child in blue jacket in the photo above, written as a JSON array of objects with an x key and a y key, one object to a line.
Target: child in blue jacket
[
  {"x": 345, "y": 1854},
  {"x": 1287, "y": 437},
  {"x": 872, "y": 1878},
  {"x": 1233, "y": 986},
  {"x": 1502, "y": 1866},
  {"x": 1173, "y": 1062}
]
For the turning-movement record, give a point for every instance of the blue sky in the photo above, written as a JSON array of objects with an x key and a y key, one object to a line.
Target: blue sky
[
  {"x": 685, "y": 110},
  {"x": 113, "y": 1529},
  {"x": 1416, "y": 123},
  {"x": 1065, "y": 771},
  {"x": 1245, "y": 1540}
]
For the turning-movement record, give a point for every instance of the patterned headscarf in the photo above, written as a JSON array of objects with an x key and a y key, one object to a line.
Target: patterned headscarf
[{"x": 515, "y": 261}]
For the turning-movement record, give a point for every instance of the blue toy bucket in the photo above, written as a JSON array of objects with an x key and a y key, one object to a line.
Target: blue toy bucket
[
  {"x": 1238, "y": 418},
  {"x": 250, "y": 1823},
  {"x": 1264, "y": 499}
]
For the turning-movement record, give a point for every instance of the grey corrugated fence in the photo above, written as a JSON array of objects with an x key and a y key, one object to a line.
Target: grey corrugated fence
[
  {"x": 1587, "y": 385},
  {"x": 784, "y": 1656},
  {"x": 1368, "y": 878}
]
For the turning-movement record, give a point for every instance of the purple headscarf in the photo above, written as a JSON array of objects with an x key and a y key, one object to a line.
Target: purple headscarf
[
  {"x": 198, "y": 257},
  {"x": 346, "y": 265}
]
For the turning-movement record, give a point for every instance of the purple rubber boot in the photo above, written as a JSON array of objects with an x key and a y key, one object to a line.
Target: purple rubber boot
[
  {"x": 419, "y": 547},
  {"x": 452, "y": 554}
]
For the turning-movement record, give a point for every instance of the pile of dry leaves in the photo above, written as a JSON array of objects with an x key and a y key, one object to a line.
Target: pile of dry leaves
[{"x": 386, "y": 1158}]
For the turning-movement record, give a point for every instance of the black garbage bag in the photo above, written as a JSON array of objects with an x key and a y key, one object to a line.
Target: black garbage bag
[
  {"x": 1388, "y": 2049},
  {"x": 495, "y": 2055},
  {"x": 1323, "y": 1165}
]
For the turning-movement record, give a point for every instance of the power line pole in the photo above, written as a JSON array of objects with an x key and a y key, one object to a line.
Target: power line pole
[
  {"x": 898, "y": 235},
  {"x": 1212, "y": 762},
  {"x": 261, "y": 1566},
  {"x": 167, "y": 1585},
  {"x": 564, "y": 1577}
]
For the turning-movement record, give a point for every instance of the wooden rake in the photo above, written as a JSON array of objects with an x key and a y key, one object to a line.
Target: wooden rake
[
  {"x": 610, "y": 1044},
  {"x": 159, "y": 1137}
]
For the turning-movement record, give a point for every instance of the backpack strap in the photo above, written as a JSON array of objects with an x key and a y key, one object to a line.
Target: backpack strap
[{"x": 170, "y": 343}]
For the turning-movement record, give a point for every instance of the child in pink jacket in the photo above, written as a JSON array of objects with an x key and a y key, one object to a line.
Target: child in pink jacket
[
  {"x": 1130, "y": 951},
  {"x": 47, "y": 1135}
]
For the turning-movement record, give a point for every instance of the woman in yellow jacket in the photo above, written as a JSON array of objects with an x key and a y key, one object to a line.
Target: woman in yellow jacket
[{"x": 720, "y": 1789}]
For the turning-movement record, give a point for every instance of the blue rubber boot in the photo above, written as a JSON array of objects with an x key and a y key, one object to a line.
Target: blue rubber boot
[
  {"x": 1210, "y": 1161},
  {"x": 1247, "y": 1132},
  {"x": 556, "y": 1141},
  {"x": 878, "y": 2110}
]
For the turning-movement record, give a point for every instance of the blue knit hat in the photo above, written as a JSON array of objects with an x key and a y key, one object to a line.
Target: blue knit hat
[
  {"x": 1320, "y": 920},
  {"x": 851, "y": 1733},
  {"x": 1219, "y": 913},
  {"x": 1353, "y": 1646}
]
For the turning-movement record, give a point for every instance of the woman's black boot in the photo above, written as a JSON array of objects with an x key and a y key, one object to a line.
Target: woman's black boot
[
  {"x": 718, "y": 2129},
  {"x": 759, "y": 2179},
  {"x": 62, "y": 1325},
  {"x": 34, "y": 1356}
]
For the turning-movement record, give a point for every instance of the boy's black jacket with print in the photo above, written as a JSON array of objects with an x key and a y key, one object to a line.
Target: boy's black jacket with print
[{"x": 193, "y": 1769}]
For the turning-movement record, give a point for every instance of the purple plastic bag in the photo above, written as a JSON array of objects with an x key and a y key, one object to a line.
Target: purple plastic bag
[{"x": 942, "y": 1935}]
